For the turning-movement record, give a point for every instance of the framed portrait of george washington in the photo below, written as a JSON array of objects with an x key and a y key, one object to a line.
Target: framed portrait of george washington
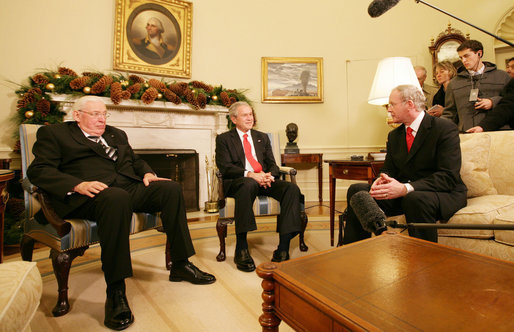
[
  {"x": 153, "y": 36},
  {"x": 292, "y": 80}
]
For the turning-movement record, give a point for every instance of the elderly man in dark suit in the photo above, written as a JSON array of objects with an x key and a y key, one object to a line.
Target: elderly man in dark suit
[
  {"x": 421, "y": 173},
  {"x": 245, "y": 159},
  {"x": 90, "y": 171}
]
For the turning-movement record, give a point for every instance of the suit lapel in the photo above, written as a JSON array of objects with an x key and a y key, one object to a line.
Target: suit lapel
[
  {"x": 259, "y": 147},
  {"x": 78, "y": 135},
  {"x": 238, "y": 145}
]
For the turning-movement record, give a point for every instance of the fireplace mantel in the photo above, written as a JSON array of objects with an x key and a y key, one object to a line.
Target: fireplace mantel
[{"x": 164, "y": 125}]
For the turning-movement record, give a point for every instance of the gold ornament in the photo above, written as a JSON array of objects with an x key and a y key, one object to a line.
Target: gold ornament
[
  {"x": 86, "y": 90},
  {"x": 50, "y": 86},
  {"x": 159, "y": 95},
  {"x": 124, "y": 83},
  {"x": 214, "y": 97},
  {"x": 146, "y": 85},
  {"x": 57, "y": 76},
  {"x": 29, "y": 114}
]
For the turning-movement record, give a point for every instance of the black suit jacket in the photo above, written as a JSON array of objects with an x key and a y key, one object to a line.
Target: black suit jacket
[
  {"x": 230, "y": 156},
  {"x": 503, "y": 113},
  {"x": 433, "y": 163},
  {"x": 64, "y": 157}
]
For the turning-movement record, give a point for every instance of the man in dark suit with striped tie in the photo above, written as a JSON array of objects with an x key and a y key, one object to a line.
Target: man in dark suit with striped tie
[
  {"x": 90, "y": 171},
  {"x": 421, "y": 173},
  {"x": 245, "y": 159}
]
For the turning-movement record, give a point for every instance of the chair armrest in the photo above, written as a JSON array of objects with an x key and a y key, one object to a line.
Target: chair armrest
[
  {"x": 284, "y": 170},
  {"x": 61, "y": 226}
]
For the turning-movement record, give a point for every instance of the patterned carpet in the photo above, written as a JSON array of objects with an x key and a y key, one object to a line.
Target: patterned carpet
[{"x": 233, "y": 303}]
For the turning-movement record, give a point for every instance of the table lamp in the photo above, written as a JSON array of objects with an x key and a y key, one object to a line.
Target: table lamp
[{"x": 390, "y": 73}]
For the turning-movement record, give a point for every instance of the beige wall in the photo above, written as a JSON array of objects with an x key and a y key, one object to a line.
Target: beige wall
[{"x": 229, "y": 39}]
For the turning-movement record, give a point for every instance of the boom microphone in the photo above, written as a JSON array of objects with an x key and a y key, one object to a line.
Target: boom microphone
[
  {"x": 371, "y": 217},
  {"x": 378, "y": 7}
]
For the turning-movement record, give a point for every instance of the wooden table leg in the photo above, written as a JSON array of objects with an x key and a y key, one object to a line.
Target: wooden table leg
[
  {"x": 332, "y": 184},
  {"x": 320, "y": 180},
  {"x": 268, "y": 320}
]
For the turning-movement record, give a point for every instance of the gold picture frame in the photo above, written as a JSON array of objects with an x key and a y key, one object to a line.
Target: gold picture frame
[
  {"x": 292, "y": 80},
  {"x": 168, "y": 22}
]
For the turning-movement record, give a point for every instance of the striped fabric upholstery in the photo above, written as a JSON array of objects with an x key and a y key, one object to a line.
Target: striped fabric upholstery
[
  {"x": 83, "y": 232},
  {"x": 263, "y": 205}
]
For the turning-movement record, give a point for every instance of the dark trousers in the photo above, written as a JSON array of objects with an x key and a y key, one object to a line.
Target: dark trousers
[
  {"x": 112, "y": 210},
  {"x": 418, "y": 207},
  {"x": 245, "y": 190}
]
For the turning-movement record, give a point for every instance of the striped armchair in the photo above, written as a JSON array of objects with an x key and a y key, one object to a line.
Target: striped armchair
[
  {"x": 67, "y": 238},
  {"x": 262, "y": 206}
]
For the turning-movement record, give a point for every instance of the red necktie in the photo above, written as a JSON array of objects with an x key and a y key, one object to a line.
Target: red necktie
[
  {"x": 257, "y": 168},
  {"x": 409, "y": 137}
]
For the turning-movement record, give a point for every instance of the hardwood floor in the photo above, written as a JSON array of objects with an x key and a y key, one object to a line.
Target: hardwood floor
[{"x": 202, "y": 225}]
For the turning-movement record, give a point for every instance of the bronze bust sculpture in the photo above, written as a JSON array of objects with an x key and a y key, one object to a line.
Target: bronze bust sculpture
[{"x": 292, "y": 134}]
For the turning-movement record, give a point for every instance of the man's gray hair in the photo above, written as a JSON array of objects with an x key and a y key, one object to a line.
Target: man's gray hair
[
  {"x": 421, "y": 68},
  {"x": 82, "y": 101},
  {"x": 232, "y": 111},
  {"x": 412, "y": 92},
  {"x": 155, "y": 21}
]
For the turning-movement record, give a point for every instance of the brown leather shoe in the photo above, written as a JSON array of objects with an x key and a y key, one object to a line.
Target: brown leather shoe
[
  {"x": 244, "y": 261},
  {"x": 191, "y": 273},
  {"x": 117, "y": 311}
]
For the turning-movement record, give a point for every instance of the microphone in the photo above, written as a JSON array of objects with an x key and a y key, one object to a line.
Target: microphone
[
  {"x": 371, "y": 217},
  {"x": 378, "y": 7}
]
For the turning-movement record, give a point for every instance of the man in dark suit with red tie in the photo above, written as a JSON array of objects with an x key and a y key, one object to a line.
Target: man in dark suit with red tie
[
  {"x": 245, "y": 159},
  {"x": 90, "y": 171},
  {"x": 421, "y": 173}
]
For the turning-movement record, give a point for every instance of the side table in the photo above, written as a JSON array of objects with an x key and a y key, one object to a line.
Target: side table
[
  {"x": 364, "y": 170},
  {"x": 5, "y": 176},
  {"x": 307, "y": 158}
]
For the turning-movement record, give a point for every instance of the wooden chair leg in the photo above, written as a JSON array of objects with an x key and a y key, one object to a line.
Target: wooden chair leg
[
  {"x": 305, "y": 220},
  {"x": 342, "y": 219},
  {"x": 61, "y": 262},
  {"x": 26, "y": 248},
  {"x": 221, "y": 229}
]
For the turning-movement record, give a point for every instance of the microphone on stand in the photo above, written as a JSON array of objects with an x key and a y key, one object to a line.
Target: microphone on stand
[
  {"x": 378, "y": 7},
  {"x": 371, "y": 217}
]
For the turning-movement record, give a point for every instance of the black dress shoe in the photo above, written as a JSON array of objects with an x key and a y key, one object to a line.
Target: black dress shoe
[
  {"x": 244, "y": 261},
  {"x": 280, "y": 256},
  {"x": 117, "y": 311},
  {"x": 191, "y": 273}
]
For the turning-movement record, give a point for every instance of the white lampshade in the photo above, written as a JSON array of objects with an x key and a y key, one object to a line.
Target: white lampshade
[{"x": 391, "y": 72}]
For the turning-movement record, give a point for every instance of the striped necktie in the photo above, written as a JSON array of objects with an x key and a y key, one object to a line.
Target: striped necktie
[{"x": 109, "y": 150}]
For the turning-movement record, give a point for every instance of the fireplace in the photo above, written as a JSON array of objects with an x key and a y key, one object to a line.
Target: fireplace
[{"x": 179, "y": 165}]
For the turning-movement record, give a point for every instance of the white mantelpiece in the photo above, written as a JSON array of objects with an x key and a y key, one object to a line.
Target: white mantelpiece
[{"x": 164, "y": 125}]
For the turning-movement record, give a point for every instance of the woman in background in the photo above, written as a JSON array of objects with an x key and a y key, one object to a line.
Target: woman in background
[{"x": 444, "y": 72}]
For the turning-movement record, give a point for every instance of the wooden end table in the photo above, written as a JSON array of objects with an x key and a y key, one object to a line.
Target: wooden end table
[
  {"x": 5, "y": 176},
  {"x": 364, "y": 170},
  {"x": 307, "y": 158},
  {"x": 390, "y": 282}
]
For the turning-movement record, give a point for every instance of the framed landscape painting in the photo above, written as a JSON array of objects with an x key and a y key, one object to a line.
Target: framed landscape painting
[
  {"x": 153, "y": 36},
  {"x": 292, "y": 80}
]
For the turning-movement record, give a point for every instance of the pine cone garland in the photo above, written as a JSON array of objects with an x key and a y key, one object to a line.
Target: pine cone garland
[
  {"x": 125, "y": 95},
  {"x": 43, "y": 106},
  {"x": 136, "y": 79},
  {"x": 225, "y": 100},
  {"x": 134, "y": 88},
  {"x": 149, "y": 95},
  {"x": 170, "y": 96},
  {"x": 79, "y": 82},
  {"x": 178, "y": 88},
  {"x": 101, "y": 85},
  {"x": 40, "y": 79},
  {"x": 66, "y": 71},
  {"x": 202, "y": 100},
  {"x": 92, "y": 75},
  {"x": 202, "y": 85},
  {"x": 160, "y": 86},
  {"x": 190, "y": 97},
  {"x": 232, "y": 100}
]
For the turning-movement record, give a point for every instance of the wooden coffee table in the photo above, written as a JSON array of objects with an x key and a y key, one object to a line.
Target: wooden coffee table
[{"x": 392, "y": 283}]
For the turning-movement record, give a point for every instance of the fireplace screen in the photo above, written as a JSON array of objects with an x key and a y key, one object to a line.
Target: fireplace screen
[{"x": 179, "y": 165}]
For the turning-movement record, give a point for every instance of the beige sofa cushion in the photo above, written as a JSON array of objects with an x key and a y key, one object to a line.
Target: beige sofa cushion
[
  {"x": 475, "y": 161},
  {"x": 21, "y": 287},
  {"x": 480, "y": 210},
  {"x": 505, "y": 237}
]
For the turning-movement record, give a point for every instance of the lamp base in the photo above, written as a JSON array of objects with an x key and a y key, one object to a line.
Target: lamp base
[{"x": 211, "y": 207}]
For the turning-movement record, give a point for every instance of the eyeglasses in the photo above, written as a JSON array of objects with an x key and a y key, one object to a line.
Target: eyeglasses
[
  {"x": 97, "y": 115},
  {"x": 392, "y": 105}
]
